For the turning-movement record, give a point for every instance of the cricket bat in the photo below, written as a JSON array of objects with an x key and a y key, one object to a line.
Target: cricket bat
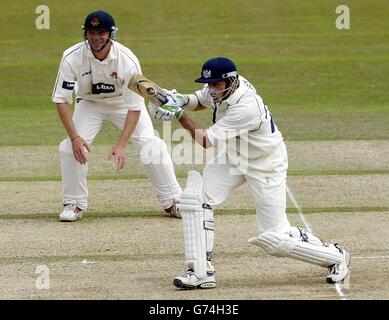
[{"x": 147, "y": 89}]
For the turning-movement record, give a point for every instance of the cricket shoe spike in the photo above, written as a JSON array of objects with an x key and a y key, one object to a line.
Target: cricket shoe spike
[
  {"x": 70, "y": 213},
  {"x": 174, "y": 210},
  {"x": 191, "y": 281},
  {"x": 339, "y": 272}
]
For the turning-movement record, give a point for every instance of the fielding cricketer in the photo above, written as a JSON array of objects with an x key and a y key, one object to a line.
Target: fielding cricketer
[{"x": 97, "y": 71}]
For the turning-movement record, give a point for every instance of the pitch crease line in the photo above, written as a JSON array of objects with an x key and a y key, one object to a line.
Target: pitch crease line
[
  {"x": 372, "y": 257},
  {"x": 306, "y": 225}
]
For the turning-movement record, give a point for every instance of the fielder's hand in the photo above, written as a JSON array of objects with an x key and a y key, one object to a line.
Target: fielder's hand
[
  {"x": 119, "y": 154},
  {"x": 79, "y": 145}
]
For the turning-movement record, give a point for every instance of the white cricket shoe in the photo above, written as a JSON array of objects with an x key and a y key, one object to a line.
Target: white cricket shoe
[
  {"x": 174, "y": 211},
  {"x": 70, "y": 213},
  {"x": 339, "y": 272},
  {"x": 190, "y": 281}
]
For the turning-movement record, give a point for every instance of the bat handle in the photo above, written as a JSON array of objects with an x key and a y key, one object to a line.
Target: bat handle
[{"x": 163, "y": 99}]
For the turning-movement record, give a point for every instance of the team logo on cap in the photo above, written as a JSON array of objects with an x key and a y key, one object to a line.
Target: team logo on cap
[
  {"x": 95, "y": 22},
  {"x": 207, "y": 73}
]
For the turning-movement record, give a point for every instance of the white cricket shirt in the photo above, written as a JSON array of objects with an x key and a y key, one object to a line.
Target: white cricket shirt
[
  {"x": 91, "y": 79},
  {"x": 244, "y": 122}
]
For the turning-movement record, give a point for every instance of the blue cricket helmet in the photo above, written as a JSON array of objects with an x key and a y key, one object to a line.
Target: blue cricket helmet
[
  {"x": 100, "y": 20},
  {"x": 217, "y": 69}
]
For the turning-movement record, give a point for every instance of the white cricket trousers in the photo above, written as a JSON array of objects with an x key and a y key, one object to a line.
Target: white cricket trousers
[
  {"x": 88, "y": 118},
  {"x": 268, "y": 189}
]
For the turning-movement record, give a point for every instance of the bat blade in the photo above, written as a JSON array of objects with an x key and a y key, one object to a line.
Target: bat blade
[{"x": 147, "y": 89}]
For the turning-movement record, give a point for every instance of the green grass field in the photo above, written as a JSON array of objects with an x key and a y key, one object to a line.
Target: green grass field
[
  {"x": 327, "y": 89},
  {"x": 320, "y": 83}
]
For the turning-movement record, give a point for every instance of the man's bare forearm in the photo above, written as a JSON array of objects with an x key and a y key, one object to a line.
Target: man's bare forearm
[
  {"x": 198, "y": 133},
  {"x": 129, "y": 127},
  {"x": 65, "y": 115}
]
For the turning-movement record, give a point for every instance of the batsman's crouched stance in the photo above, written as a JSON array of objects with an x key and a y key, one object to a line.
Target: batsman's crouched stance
[{"x": 252, "y": 151}]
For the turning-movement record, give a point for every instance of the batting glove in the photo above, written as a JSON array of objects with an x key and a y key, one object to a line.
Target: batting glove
[
  {"x": 165, "y": 113},
  {"x": 172, "y": 111},
  {"x": 180, "y": 100}
]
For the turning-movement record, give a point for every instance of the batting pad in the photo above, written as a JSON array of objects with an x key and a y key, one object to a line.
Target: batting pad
[
  {"x": 282, "y": 245},
  {"x": 209, "y": 229},
  {"x": 193, "y": 221}
]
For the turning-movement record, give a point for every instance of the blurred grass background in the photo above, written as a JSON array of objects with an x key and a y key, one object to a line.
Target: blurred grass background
[{"x": 319, "y": 82}]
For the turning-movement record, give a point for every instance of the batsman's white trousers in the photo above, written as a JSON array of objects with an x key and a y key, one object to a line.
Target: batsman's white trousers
[
  {"x": 268, "y": 189},
  {"x": 88, "y": 118}
]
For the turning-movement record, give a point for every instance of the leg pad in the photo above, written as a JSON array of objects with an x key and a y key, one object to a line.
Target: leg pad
[{"x": 284, "y": 245}]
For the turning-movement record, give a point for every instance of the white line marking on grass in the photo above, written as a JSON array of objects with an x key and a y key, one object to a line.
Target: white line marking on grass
[
  {"x": 85, "y": 261},
  {"x": 339, "y": 290},
  {"x": 338, "y": 287},
  {"x": 372, "y": 257},
  {"x": 300, "y": 212}
]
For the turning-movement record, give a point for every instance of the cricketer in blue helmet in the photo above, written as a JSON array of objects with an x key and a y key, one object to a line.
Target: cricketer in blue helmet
[{"x": 252, "y": 151}]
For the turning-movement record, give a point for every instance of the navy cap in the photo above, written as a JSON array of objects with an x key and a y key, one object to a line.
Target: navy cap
[
  {"x": 217, "y": 69},
  {"x": 99, "y": 20}
]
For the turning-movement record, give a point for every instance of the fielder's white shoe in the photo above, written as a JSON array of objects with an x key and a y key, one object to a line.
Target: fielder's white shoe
[
  {"x": 174, "y": 211},
  {"x": 70, "y": 213},
  {"x": 190, "y": 281},
  {"x": 339, "y": 272}
]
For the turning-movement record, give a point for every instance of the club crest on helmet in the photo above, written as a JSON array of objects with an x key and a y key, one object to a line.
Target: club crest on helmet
[
  {"x": 207, "y": 74},
  {"x": 95, "y": 22}
]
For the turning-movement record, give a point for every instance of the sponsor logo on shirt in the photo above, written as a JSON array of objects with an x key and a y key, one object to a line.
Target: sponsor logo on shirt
[
  {"x": 86, "y": 73},
  {"x": 68, "y": 85},
  {"x": 102, "y": 88}
]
